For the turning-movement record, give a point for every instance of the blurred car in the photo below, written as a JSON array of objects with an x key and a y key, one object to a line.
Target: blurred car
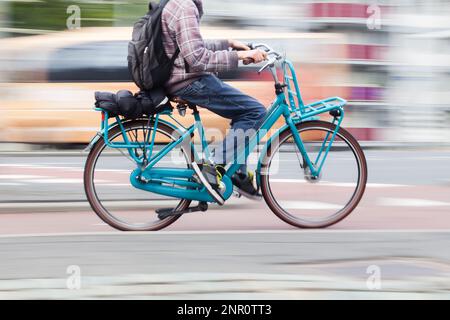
[{"x": 47, "y": 82}]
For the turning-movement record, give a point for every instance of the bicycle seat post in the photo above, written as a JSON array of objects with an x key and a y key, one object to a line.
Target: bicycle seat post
[
  {"x": 194, "y": 108},
  {"x": 181, "y": 109}
]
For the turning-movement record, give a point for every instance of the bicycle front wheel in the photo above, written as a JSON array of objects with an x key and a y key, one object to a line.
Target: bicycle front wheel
[{"x": 313, "y": 202}]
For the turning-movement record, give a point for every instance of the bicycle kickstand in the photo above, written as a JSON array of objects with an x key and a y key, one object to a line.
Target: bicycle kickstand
[{"x": 166, "y": 213}]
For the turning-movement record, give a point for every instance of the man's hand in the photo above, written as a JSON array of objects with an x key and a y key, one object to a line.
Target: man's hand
[
  {"x": 238, "y": 45},
  {"x": 255, "y": 56}
]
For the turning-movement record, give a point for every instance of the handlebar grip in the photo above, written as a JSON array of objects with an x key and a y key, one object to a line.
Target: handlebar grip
[{"x": 248, "y": 61}]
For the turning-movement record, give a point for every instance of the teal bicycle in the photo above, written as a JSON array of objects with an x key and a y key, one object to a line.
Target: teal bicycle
[{"x": 143, "y": 174}]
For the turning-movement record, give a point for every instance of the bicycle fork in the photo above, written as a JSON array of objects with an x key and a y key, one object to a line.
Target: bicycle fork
[{"x": 315, "y": 167}]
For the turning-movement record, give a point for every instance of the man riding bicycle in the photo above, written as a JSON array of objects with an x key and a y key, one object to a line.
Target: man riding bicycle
[
  {"x": 193, "y": 80},
  {"x": 311, "y": 151}
]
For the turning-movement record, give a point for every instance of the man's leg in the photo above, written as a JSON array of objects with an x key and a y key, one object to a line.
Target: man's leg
[{"x": 246, "y": 113}]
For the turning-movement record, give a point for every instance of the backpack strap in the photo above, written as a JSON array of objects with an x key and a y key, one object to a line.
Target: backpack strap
[
  {"x": 163, "y": 3},
  {"x": 175, "y": 55},
  {"x": 153, "y": 4}
]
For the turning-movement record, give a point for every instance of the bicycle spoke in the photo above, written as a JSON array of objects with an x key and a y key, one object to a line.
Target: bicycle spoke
[
  {"x": 297, "y": 152},
  {"x": 126, "y": 155}
]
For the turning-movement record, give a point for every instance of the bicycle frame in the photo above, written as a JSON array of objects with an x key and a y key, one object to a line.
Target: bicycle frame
[{"x": 174, "y": 182}]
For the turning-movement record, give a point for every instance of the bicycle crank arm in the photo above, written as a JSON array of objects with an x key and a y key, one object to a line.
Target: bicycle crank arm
[{"x": 165, "y": 213}]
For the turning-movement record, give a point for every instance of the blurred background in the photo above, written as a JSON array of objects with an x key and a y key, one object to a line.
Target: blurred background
[{"x": 389, "y": 59}]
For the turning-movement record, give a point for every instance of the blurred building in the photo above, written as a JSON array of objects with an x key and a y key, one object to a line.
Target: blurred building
[
  {"x": 390, "y": 59},
  {"x": 419, "y": 72},
  {"x": 397, "y": 52}
]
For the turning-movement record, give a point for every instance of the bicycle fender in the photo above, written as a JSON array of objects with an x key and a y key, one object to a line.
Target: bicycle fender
[{"x": 93, "y": 141}]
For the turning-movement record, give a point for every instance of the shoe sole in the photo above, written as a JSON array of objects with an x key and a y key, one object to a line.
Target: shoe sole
[
  {"x": 248, "y": 195},
  {"x": 213, "y": 193}
]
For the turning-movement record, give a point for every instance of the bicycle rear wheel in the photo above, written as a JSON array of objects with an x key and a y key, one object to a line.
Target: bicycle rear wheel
[
  {"x": 302, "y": 201},
  {"x": 107, "y": 179}
]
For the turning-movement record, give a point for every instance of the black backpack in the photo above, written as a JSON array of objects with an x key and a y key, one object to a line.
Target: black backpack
[
  {"x": 147, "y": 61},
  {"x": 150, "y": 69}
]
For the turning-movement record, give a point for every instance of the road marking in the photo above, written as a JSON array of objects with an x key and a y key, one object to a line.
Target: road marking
[
  {"x": 42, "y": 167},
  {"x": 56, "y": 181},
  {"x": 19, "y": 176},
  {"x": 312, "y": 283},
  {"x": 232, "y": 232},
  {"x": 48, "y": 205},
  {"x": 386, "y": 185},
  {"x": 14, "y": 165},
  {"x": 339, "y": 184},
  {"x": 308, "y": 205},
  {"x": 46, "y": 179},
  {"x": 410, "y": 202},
  {"x": 287, "y": 181},
  {"x": 62, "y": 181},
  {"x": 56, "y": 163},
  {"x": 146, "y": 204},
  {"x": 114, "y": 170}
]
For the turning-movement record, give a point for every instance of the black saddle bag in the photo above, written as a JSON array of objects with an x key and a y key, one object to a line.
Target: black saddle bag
[{"x": 124, "y": 103}]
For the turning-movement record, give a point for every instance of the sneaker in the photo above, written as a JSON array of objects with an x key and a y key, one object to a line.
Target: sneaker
[
  {"x": 244, "y": 184},
  {"x": 211, "y": 179},
  {"x": 211, "y": 175}
]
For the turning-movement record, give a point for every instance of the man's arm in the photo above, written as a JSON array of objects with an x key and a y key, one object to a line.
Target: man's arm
[
  {"x": 217, "y": 45},
  {"x": 194, "y": 49}
]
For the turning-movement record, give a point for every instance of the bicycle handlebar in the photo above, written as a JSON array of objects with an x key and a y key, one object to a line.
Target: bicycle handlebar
[{"x": 269, "y": 51}]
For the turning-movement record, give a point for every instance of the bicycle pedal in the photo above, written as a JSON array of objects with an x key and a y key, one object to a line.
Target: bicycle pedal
[
  {"x": 237, "y": 194},
  {"x": 172, "y": 212}
]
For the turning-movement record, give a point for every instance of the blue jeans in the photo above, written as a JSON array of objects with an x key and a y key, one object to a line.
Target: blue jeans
[{"x": 246, "y": 114}]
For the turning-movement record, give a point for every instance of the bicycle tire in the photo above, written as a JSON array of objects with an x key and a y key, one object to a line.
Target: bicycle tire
[
  {"x": 89, "y": 186},
  {"x": 341, "y": 214}
]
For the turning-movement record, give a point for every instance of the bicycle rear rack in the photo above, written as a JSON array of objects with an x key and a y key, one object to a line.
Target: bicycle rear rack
[{"x": 147, "y": 144}]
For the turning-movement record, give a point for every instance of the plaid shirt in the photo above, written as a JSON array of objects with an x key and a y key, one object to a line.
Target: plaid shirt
[{"x": 180, "y": 24}]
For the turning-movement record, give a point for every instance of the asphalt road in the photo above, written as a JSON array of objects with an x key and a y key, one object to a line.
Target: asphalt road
[
  {"x": 22, "y": 178},
  {"x": 395, "y": 245},
  {"x": 228, "y": 265},
  {"x": 405, "y": 190}
]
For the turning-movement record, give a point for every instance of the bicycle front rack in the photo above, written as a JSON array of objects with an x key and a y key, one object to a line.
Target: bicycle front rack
[{"x": 310, "y": 111}]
